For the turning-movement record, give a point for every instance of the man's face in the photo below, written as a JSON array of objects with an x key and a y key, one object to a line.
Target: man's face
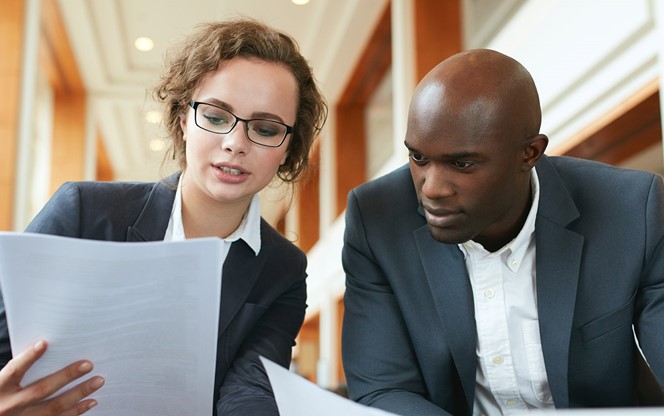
[{"x": 467, "y": 171}]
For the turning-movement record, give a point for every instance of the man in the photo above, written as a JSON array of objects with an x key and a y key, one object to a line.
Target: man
[{"x": 486, "y": 278}]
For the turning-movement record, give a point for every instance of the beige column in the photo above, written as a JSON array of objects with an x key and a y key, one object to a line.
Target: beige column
[{"x": 11, "y": 46}]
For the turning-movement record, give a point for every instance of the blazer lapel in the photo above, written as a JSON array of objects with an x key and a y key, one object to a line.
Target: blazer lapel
[
  {"x": 152, "y": 222},
  {"x": 558, "y": 262},
  {"x": 446, "y": 274},
  {"x": 240, "y": 273}
]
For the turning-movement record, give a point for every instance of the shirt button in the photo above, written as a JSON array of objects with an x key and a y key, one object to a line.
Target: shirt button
[
  {"x": 489, "y": 293},
  {"x": 511, "y": 402},
  {"x": 498, "y": 359},
  {"x": 514, "y": 263}
]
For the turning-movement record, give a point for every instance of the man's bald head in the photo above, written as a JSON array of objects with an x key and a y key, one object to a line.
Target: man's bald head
[
  {"x": 483, "y": 87},
  {"x": 473, "y": 140}
]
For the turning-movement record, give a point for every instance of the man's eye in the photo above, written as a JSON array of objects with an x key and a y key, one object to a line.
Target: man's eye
[
  {"x": 417, "y": 158},
  {"x": 461, "y": 164}
]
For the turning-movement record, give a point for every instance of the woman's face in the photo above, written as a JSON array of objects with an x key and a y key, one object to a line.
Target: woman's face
[{"x": 228, "y": 168}]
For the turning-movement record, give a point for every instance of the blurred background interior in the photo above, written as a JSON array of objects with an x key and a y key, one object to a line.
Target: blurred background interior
[{"x": 76, "y": 79}]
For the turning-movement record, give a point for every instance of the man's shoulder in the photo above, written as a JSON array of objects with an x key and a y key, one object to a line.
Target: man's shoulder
[
  {"x": 586, "y": 167},
  {"x": 593, "y": 186},
  {"x": 387, "y": 197},
  {"x": 395, "y": 180}
]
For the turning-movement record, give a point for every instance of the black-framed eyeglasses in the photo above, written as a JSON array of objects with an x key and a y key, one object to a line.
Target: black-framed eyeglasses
[{"x": 215, "y": 119}]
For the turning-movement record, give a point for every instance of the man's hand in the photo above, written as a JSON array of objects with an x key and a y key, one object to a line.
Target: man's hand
[{"x": 30, "y": 400}]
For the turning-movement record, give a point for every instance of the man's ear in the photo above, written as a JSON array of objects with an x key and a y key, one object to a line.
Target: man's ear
[{"x": 533, "y": 149}]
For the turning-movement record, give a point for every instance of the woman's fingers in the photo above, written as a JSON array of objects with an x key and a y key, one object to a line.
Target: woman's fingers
[
  {"x": 72, "y": 401},
  {"x": 35, "y": 398},
  {"x": 12, "y": 374},
  {"x": 46, "y": 386}
]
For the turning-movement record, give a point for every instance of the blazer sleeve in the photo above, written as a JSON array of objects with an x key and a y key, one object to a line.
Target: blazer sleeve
[
  {"x": 378, "y": 358},
  {"x": 59, "y": 217},
  {"x": 649, "y": 322},
  {"x": 246, "y": 388}
]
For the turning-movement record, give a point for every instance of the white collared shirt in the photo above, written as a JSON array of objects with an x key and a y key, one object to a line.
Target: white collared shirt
[
  {"x": 249, "y": 229},
  {"x": 510, "y": 376}
]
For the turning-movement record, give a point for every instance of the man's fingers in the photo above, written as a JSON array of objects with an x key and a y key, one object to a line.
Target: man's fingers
[{"x": 13, "y": 372}]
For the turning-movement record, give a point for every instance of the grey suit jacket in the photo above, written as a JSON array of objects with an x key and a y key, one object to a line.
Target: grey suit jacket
[
  {"x": 409, "y": 334},
  {"x": 263, "y": 300}
]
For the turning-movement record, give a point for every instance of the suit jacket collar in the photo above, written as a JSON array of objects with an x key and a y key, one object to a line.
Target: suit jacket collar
[
  {"x": 558, "y": 262},
  {"x": 153, "y": 220},
  {"x": 447, "y": 276}
]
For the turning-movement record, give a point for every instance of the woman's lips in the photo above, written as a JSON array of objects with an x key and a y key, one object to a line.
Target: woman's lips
[{"x": 230, "y": 174}]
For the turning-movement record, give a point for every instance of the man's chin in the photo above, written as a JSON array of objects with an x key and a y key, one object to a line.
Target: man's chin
[{"x": 447, "y": 236}]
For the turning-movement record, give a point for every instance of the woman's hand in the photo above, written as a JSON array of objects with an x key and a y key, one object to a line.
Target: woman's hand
[{"x": 29, "y": 400}]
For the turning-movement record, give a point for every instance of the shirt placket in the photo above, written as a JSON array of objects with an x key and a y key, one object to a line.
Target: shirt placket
[{"x": 494, "y": 345}]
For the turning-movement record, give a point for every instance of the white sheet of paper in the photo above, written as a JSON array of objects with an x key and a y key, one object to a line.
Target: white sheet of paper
[
  {"x": 145, "y": 314},
  {"x": 297, "y": 396}
]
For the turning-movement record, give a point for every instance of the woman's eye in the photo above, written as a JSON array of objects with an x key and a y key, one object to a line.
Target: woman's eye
[{"x": 216, "y": 120}]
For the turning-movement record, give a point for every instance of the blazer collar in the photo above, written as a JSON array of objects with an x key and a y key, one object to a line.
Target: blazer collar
[
  {"x": 558, "y": 264},
  {"x": 447, "y": 276},
  {"x": 244, "y": 265},
  {"x": 153, "y": 220}
]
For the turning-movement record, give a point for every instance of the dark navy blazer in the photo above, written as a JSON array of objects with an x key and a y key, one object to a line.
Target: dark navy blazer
[
  {"x": 263, "y": 299},
  {"x": 409, "y": 335}
]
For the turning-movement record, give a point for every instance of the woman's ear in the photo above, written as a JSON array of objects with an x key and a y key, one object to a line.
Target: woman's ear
[
  {"x": 183, "y": 126},
  {"x": 283, "y": 159},
  {"x": 533, "y": 149}
]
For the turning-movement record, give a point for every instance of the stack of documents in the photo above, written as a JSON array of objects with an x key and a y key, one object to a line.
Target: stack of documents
[{"x": 145, "y": 314}]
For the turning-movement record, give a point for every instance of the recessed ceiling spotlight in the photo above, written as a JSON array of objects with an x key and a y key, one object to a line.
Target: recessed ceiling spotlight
[
  {"x": 300, "y": 2},
  {"x": 157, "y": 145},
  {"x": 144, "y": 44},
  {"x": 153, "y": 117}
]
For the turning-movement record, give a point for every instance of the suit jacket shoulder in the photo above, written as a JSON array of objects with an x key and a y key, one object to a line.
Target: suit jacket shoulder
[{"x": 112, "y": 211}]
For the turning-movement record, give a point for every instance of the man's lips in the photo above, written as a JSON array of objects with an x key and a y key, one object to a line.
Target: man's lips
[{"x": 440, "y": 217}]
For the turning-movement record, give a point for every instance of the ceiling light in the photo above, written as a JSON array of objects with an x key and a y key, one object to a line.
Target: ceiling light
[
  {"x": 300, "y": 2},
  {"x": 144, "y": 44},
  {"x": 153, "y": 117},
  {"x": 157, "y": 145}
]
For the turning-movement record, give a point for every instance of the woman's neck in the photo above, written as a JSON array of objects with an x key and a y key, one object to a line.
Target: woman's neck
[{"x": 205, "y": 217}]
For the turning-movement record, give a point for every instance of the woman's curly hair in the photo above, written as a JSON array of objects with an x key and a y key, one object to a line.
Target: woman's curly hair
[{"x": 202, "y": 51}]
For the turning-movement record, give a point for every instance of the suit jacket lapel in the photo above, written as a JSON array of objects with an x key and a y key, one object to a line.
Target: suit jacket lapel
[
  {"x": 446, "y": 273},
  {"x": 240, "y": 273},
  {"x": 558, "y": 262},
  {"x": 152, "y": 222}
]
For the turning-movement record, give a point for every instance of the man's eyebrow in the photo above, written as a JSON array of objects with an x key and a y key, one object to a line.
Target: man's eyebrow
[
  {"x": 457, "y": 155},
  {"x": 462, "y": 155}
]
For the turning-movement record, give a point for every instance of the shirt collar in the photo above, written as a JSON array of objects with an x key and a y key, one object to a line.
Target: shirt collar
[
  {"x": 518, "y": 246},
  {"x": 249, "y": 229}
]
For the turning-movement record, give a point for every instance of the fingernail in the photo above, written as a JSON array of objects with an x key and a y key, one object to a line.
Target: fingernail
[
  {"x": 97, "y": 382},
  {"x": 92, "y": 404},
  {"x": 85, "y": 367},
  {"x": 40, "y": 345}
]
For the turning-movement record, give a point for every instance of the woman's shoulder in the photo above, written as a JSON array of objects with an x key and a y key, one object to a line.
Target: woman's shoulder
[{"x": 277, "y": 242}]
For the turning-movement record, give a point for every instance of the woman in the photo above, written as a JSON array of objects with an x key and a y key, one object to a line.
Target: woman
[{"x": 241, "y": 107}]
